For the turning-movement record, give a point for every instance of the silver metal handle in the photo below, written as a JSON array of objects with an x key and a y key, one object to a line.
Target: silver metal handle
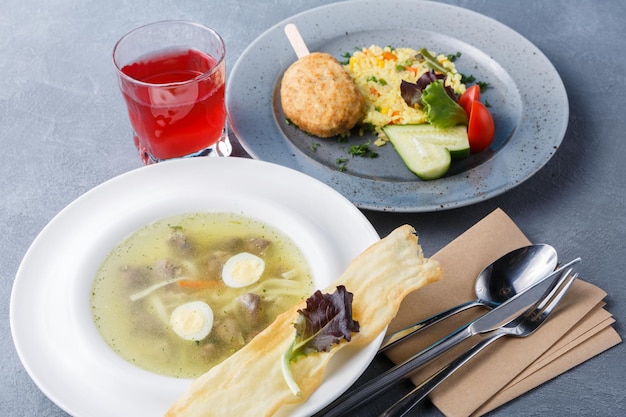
[
  {"x": 522, "y": 326},
  {"x": 397, "y": 337},
  {"x": 386, "y": 381},
  {"x": 419, "y": 393}
]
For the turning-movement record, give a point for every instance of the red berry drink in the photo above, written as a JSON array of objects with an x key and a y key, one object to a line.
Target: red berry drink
[{"x": 175, "y": 98}]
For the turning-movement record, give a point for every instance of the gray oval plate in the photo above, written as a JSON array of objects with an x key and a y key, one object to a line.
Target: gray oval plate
[{"x": 526, "y": 97}]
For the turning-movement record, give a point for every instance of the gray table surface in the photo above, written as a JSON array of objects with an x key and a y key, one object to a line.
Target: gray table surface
[{"x": 64, "y": 130}]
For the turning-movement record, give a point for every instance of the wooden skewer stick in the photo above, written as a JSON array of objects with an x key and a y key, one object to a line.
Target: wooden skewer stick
[{"x": 296, "y": 41}]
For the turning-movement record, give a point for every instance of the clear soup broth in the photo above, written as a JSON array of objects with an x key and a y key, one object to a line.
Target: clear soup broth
[{"x": 180, "y": 260}]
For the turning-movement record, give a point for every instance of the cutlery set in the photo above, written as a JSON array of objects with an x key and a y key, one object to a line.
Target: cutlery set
[{"x": 519, "y": 316}]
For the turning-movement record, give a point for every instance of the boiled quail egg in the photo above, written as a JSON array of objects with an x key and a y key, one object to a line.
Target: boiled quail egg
[
  {"x": 192, "y": 321},
  {"x": 242, "y": 270}
]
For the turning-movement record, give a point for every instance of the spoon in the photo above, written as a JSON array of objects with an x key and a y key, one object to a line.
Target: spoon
[{"x": 498, "y": 282}]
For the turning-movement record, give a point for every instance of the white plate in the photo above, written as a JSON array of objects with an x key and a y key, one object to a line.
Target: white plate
[
  {"x": 51, "y": 323},
  {"x": 527, "y": 98}
]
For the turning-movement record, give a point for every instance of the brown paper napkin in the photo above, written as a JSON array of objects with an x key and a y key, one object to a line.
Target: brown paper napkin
[
  {"x": 586, "y": 348},
  {"x": 577, "y": 331}
]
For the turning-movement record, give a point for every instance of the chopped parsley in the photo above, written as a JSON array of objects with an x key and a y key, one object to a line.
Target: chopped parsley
[
  {"x": 453, "y": 57},
  {"x": 362, "y": 150},
  {"x": 467, "y": 79},
  {"x": 483, "y": 85},
  {"x": 341, "y": 163}
]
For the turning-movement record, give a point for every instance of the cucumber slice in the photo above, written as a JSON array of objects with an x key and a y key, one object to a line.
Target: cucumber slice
[
  {"x": 426, "y": 160},
  {"x": 426, "y": 150},
  {"x": 453, "y": 138}
]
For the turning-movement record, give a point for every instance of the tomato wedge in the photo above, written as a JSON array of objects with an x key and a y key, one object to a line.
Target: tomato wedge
[
  {"x": 481, "y": 128},
  {"x": 470, "y": 95}
]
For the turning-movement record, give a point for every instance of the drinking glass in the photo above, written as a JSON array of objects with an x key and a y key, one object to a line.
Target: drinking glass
[{"x": 172, "y": 76}]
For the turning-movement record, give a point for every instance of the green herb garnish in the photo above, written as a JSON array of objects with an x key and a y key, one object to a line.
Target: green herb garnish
[{"x": 362, "y": 150}]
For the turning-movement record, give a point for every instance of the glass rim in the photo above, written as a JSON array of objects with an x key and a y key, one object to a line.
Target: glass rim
[{"x": 218, "y": 61}]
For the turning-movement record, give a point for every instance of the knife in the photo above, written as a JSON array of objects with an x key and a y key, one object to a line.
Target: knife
[{"x": 484, "y": 324}]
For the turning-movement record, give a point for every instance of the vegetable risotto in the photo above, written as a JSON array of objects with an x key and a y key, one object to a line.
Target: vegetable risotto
[{"x": 378, "y": 72}]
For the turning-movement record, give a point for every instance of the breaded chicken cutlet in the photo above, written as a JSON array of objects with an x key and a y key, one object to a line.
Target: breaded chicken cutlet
[{"x": 320, "y": 97}]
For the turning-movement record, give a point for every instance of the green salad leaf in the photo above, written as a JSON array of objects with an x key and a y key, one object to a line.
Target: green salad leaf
[
  {"x": 441, "y": 110},
  {"x": 432, "y": 62},
  {"x": 326, "y": 320}
]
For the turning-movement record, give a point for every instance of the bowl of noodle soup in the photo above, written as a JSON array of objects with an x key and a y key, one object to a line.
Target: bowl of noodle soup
[{"x": 59, "y": 342}]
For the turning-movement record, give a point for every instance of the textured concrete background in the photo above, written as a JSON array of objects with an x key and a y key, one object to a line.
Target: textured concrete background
[{"x": 64, "y": 130}]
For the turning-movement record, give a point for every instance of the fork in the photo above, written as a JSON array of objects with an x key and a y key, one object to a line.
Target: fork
[
  {"x": 522, "y": 326},
  {"x": 381, "y": 384}
]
